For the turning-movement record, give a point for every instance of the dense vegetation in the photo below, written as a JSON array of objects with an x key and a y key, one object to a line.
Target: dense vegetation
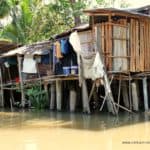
[{"x": 34, "y": 20}]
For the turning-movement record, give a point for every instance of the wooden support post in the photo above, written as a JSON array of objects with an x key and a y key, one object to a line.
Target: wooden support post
[
  {"x": 73, "y": 96},
  {"x": 130, "y": 93},
  {"x": 52, "y": 96},
  {"x": 1, "y": 90},
  {"x": 110, "y": 100},
  {"x": 135, "y": 96},
  {"x": 59, "y": 95},
  {"x": 145, "y": 93},
  {"x": 11, "y": 92},
  {"x": 125, "y": 94},
  {"x": 119, "y": 92},
  {"x": 85, "y": 99},
  {"x": 19, "y": 58}
]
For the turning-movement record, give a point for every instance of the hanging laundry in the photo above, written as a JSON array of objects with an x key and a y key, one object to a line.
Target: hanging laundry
[
  {"x": 87, "y": 66},
  {"x": 11, "y": 60},
  {"x": 75, "y": 42},
  {"x": 29, "y": 64},
  {"x": 64, "y": 46},
  {"x": 45, "y": 59},
  {"x": 57, "y": 48},
  {"x": 38, "y": 59},
  {"x": 97, "y": 68},
  {"x": 91, "y": 66}
]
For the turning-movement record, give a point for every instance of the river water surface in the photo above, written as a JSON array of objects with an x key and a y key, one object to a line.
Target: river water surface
[{"x": 31, "y": 130}]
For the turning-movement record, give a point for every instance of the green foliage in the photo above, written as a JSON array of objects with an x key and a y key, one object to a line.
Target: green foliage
[
  {"x": 4, "y": 8},
  {"x": 33, "y": 21},
  {"x": 18, "y": 30},
  {"x": 37, "y": 96}
]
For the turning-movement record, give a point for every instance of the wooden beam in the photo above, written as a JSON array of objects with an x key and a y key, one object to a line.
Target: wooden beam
[{"x": 19, "y": 58}]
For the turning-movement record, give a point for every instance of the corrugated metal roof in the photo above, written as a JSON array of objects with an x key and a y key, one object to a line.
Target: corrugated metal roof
[
  {"x": 79, "y": 28},
  {"x": 115, "y": 11},
  {"x": 40, "y": 48},
  {"x": 7, "y": 45},
  {"x": 147, "y": 7}
]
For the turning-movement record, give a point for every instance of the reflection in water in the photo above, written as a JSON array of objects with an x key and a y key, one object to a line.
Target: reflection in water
[{"x": 43, "y": 130}]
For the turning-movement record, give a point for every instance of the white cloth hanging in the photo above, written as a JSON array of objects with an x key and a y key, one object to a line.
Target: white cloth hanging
[
  {"x": 97, "y": 68},
  {"x": 75, "y": 42},
  {"x": 92, "y": 67},
  {"x": 29, "y": 64}
]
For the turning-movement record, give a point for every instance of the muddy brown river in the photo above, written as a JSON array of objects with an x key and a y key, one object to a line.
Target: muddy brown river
[{"x": 45, "y": 130}]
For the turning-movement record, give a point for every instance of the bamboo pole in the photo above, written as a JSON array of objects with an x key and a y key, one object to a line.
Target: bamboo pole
[{"x": 19, "y": 58}]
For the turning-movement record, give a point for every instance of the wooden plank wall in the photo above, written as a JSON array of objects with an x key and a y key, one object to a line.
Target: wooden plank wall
[
  {"x": 139, "y": 45},
  {"x": 106, "y": 43},
  {"x": 120, "y": 56},
  {"x": 114, "y": 44},
  {"x": 127, "y": 43}
]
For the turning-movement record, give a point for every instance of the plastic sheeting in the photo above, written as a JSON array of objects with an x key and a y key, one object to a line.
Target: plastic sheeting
[
  {"x": 92, "y": 67},
  {"x": 29, "y": 64}
]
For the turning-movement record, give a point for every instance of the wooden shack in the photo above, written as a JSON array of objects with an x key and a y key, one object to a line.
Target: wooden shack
[
  {"x": 121, "y": 37},
  {"x": 112, "y": 54},
  {"x": 124, "y": 39},
  {"x": 5, "y": 46},
  {"x": 21, "y": 67}
]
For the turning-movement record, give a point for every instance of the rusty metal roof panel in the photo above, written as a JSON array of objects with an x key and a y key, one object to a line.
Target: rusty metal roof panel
[
  {"x": 99, "y": 11},
  {"x": 40, "y": 48}
]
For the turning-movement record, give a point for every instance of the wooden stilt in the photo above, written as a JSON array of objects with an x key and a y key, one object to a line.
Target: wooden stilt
[
  {"x": 130, "y": 94},
  {"x": 109, "y": 105},
  {"x": 85, "y": 99},
  {"x": 145, "y": 93},
  {"x": 119, "y": 92},
  {"x": 59, "y": 95},
  {"x": 11, "y": 92},
  {"x": 1, "y": 90},
  {"x": 135, "y": 96},
  {"x": 125, "y": 94},
  {"x": 92, "y": 90},
  {"x": 105, "y": 98},
  {"x": 21, "y": 82},
  {"x": 110, "y": 99},
  {"x": 52, "y": 96},
  {"x": 73, "y": 96}
]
